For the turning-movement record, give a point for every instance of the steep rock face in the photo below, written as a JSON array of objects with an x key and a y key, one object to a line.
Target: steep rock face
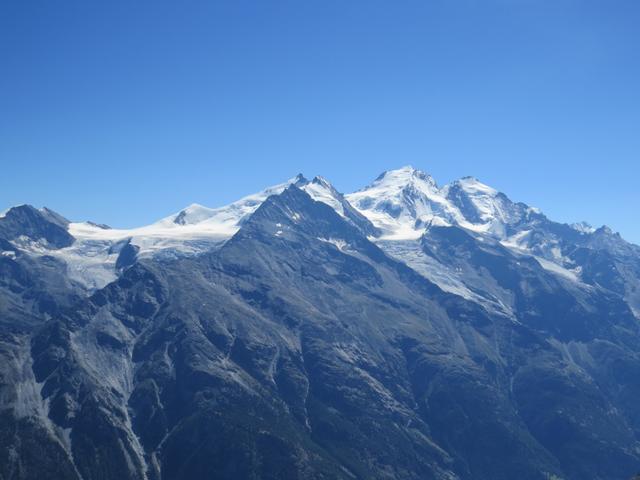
[
  {"x": 322, "y": 191},
  {"x": 35, "y": 225}
]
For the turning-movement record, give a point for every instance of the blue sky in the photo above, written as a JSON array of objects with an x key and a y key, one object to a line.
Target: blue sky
[{"x": 123, "y": 112}]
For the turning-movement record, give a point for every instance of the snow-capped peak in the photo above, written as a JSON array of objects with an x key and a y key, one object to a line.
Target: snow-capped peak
[
  {"x": 474, "y": 186},
  {"x": 583, "y": 227},
  {"x": 318, "y": 180},
  {"x": 403, "y": 177},
  {"x": 194, "y": 213},
  {"x": 402, "y": 202},
  {"x": 481, "y": 204},
  {"x": 322, "y": 191}
]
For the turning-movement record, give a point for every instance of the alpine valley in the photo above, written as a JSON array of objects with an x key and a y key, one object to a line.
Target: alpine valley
[{"x": 405, "y": 331}]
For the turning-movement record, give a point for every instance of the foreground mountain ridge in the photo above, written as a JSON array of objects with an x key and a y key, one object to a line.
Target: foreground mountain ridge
[{"x": 404, "y": 331}]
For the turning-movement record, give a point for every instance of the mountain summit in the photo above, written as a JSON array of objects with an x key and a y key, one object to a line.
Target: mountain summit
[{"x": 403, "y": 202}]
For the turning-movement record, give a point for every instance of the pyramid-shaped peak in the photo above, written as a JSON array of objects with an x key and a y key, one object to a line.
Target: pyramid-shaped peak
[
  {"x": 26, "y": 211},
  {"x": 36, "y": 224},
  {"x": 22, "y": 208}
]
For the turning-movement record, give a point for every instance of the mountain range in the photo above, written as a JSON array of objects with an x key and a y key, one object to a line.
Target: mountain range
[{"x": 403, "y": 331}]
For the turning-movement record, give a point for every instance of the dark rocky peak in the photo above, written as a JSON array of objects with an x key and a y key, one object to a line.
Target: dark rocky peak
[
  {"x": 43, "y": 226},
  {"x": 55, "y": 217},
  {"x": 294, "y": 210},
  {"x": 605, "y": 230},
  {"x": 293, "y": 222},
  {"x": 320, "y": 189}
]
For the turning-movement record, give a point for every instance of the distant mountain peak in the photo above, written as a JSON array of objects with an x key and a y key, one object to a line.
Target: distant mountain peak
[
  {"x": 194, "y": 213},
  {"x": 472, "y": 184},
  {"x": 322, "y": 181},
  {"x": 402, "y": 202},
  {"x": 321, "y": 190},
  {"x": 14, "y": 208},
  {"x": 403, "y": 177},
  {"x": 298, "y": 180},
  {"x": 605, "y": 230},
  {"x": 38, "y": 225},
  {"x": 23, "y": 207},
  {"x": 583, "y": 227}
]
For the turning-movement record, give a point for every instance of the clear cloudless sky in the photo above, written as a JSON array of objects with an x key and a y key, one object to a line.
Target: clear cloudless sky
[{"x": 123, "y": 112}]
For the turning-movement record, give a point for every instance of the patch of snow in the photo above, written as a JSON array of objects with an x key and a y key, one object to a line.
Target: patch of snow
[
  {"x": 557, "y": 269},
  {"x": 474, "y": 186},
  {"x": 322, "y": 191},
  {"x": 517, "y": 241},
  {"x": 494, "y": 210},
  {"x": 157, "y": 236},
  {"x": 89, "y": 262},
  {"x": 447, "y": 278},
  {"x": 582, "y": 227},
  {"x": 556, "y": 253},
  {"x": 339, "y": 243},
  {"x": 194, "y": 213}
]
